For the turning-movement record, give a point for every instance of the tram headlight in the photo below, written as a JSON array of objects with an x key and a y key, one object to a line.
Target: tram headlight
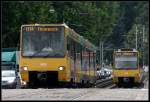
[
  {"x": 25, "y": 68},
  {"x": 24, "y": 83},
  {"x": 61, "y": 68}
]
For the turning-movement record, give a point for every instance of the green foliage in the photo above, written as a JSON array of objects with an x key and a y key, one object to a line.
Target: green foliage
[
  {"x": 89, "y": 25},
  {"x": 141, "y": 19},
  {"x": 95, "y": 20}
]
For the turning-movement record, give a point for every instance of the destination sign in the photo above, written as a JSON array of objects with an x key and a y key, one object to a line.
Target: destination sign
[
  {"x": 126, "y": 54},
  {"x": 42, "y": 29}
]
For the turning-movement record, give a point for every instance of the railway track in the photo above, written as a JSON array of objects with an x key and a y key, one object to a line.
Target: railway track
[{"x": 105, "y": 83}]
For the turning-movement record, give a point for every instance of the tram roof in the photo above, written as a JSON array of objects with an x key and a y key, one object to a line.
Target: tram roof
[
  {"x": 63, "y": 24},
  {"x": 82, "y": 40}
]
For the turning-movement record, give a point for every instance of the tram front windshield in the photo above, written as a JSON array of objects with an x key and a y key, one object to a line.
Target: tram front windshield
[
  {"x": 45, "y": 41},
  {"x": 126, "y": 62}
]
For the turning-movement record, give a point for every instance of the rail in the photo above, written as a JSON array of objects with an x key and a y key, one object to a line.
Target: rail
[{"x": 108, "y": 83}]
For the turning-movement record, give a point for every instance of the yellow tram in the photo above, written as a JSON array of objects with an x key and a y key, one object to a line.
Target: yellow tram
[
  {"x": 53, "y": 53},
  {"x": 126, "y": 70}
]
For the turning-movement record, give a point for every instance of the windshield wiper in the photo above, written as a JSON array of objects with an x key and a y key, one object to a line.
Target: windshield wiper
[
  {"x": 48, "y": 54},
  {"x": 52, "y": 55},
  {"x": 35, "y": 54},
  {"x": 57, "y": 54}
]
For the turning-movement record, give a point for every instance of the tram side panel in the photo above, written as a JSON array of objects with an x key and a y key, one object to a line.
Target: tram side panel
[{"x": 82, "y": 68}]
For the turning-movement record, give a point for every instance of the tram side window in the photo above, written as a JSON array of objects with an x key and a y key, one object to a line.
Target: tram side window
[
  {"x": 71, "y": 52},
  {"x": 84, "y": 62},
  {"x": 91, "y": 60},
  {"x": 81, "y": 56},
  {"x": 69, "y": 45},
  {"x": 88, "y": 59},
  {"x": 83, "y": 67},
  {"x": 85, "y": 55},
  {"x": 78, "y": 55},
  {"x": 94, "y": 60},
  {"x": 72, "y": 49}
]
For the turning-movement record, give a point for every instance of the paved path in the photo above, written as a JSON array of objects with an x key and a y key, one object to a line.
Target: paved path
[{"x": 75, "y": 94}]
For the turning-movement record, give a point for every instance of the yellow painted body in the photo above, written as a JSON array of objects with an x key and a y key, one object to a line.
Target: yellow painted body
[
  {"x": 45, "y": 64},
  {"x": 51, "y": 64},
  {"x": 126, "y": 73},
  {"x": 135, "y": 73}
]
